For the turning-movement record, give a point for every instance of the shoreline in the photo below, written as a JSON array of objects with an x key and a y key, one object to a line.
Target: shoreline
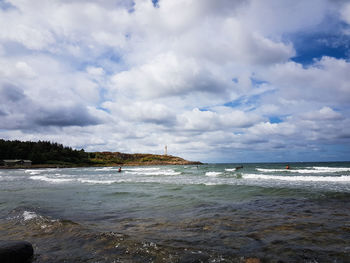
[{"x": 43, "y": 166}]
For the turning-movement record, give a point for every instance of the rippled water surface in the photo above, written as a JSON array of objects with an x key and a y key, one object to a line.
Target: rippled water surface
[{"x": 208, "y": 213}]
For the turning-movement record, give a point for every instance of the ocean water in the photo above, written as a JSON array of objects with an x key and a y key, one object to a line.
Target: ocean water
[{"x": 207, "y": 213}]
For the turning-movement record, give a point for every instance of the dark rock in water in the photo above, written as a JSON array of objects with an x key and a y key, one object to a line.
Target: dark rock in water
[
  {"x": 16, "y": 252},
  {"x": 252, "y": 260},
  {"x": 194, "y": 258}
]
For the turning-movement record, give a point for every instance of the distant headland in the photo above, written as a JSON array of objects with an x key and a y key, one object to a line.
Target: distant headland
[{"x": 42, "y": 154}]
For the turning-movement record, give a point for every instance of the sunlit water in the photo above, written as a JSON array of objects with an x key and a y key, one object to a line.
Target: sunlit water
[{"x": 209, "y": 213}]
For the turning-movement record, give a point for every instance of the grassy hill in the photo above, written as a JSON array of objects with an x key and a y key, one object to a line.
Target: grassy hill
[{"x": 117, "y": 158}]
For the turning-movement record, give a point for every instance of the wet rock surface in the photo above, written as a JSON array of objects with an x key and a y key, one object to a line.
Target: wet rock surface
[{"x": 16, "y": 252}]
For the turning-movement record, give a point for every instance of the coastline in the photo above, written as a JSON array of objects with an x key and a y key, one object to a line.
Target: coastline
[
  {"x": 45, "y": 154},
  {"x": 43, "y": 166}
]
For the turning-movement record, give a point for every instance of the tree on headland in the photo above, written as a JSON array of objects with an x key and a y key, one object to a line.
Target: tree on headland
[{"x": 42, "y": 152}]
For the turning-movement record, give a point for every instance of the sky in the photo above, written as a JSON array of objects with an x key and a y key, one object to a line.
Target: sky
[{"x": 215, "y": 81}]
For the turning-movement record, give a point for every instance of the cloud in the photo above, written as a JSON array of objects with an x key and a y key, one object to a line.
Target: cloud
[
  {"x": 216, "y": 120},
  {"x": 142, "y": 112},
  {"x": 169, "y": 75},
  {"x": 11, "y": 93},
  {"x": 69, "y": 116},
  {"x": 210, "y": 79},
  {"x": 327, "y": 80},
  {"x": 345, "y": 13},
  {"x": 273, "y": 17},
  {"x": 326, "y": 114},
  {"x": 21, "y": 112}
]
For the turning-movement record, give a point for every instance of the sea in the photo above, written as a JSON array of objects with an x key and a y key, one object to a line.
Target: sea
[{"x": 206, "y": 213}]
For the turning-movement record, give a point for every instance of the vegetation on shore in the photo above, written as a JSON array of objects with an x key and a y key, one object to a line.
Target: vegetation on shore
[
  {"x": 117, "y": 158},
  {"x": 42, "y": 152},
  {"x": 49, "y": 154}
]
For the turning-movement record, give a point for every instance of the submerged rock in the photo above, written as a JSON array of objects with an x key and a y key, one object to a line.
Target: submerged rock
[
  {"x": 252, "y": 260},
  {"x": 16, "y": 252}
]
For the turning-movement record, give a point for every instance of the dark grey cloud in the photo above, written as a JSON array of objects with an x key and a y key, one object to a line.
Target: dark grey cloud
[
  {"x": 10, "y": 92},
  {"x": 165, "y": 122},
  {"x": 65, "y": 116},
  {"x": 2, "y": 113},
  {"x": 17, "y": 111},
  {"x": 344, "y": 136},
  {"x": 13, "y": 102}
]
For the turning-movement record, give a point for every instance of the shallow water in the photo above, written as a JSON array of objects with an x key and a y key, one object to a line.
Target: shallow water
[{"x": 209, "y": 213}]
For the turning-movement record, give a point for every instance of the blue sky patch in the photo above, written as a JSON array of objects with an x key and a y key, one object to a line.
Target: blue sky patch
[
  {"x": 244, "y": 101},
  {"x": 103, "y": 109},
  {"x": 155, "y": 3},
  {"x": 235, "y": 103},
  {"x": 257, "y": 82},
  {"x": 313, "y": 46},
  {"x": 4, "y": 5},
  {"x": 275, "y": 119}
]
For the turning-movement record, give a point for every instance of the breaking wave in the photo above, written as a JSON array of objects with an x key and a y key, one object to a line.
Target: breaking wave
[
  {"x": 307, "y": 170},
  {"x": 331, "y": 169},
  {"x": 213, "y": 174},
  {"x": 50, "y": 180},
  {"x": 106, "y": 169},
  {"x": 271, "y": 170},
  {"x": 151, "y": 171},
  {"x": 343, "y": 178},
  {"x": 96, "y": 181}
]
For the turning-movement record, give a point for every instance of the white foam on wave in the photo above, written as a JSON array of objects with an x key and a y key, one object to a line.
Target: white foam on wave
[
  {"x": 230, "y": 170},
  {"x": 33, "y": 172},
  {"x": 307, "y": 170},
  {"x": 143, "y": 169},
  {"x": 331, "y": 169},
  {"x": 213, "y": 174},
  {"x": 152, "y": 171},
  {"x": 271, "y": 170},
  {"x": 43, "y": 222},
  {"x": 343, "y": 178},
  {"x": 27, "y": 215},
  {"x": 50, "y": 180},
  {"x": 96, "y": 181},
  {"x": 318, "y": 171},
  {"x": 105, "y": 169}
]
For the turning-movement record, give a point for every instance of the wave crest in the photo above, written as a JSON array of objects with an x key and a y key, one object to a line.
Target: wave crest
[{"x": 343, "y": 178}]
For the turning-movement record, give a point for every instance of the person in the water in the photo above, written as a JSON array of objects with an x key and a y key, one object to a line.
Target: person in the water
[
  {"x": 119, "y": 170},
  {"x": 287, "y": 167}
]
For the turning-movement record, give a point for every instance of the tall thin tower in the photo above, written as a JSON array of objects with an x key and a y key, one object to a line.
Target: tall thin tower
[{"x": 166, "y": 150}]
